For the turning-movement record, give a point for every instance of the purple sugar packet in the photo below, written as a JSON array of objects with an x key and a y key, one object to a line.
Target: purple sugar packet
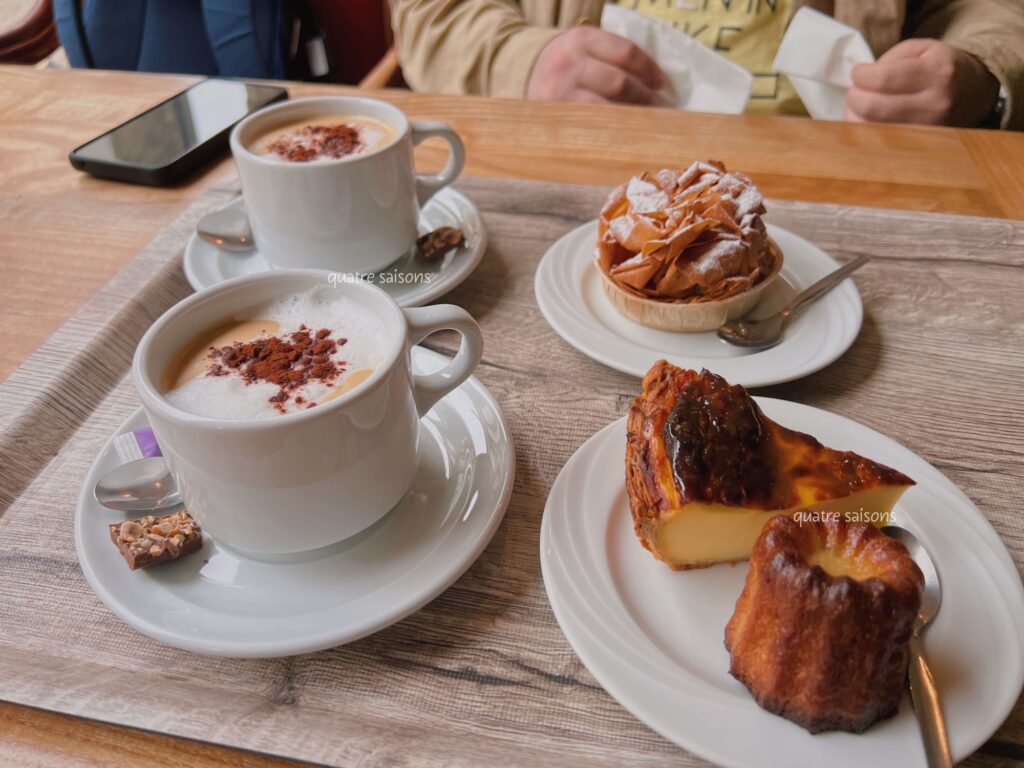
[{"x": 140, "y": 444}]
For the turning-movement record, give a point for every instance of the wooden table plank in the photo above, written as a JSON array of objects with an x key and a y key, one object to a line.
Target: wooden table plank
[
  {"x": 33, "y": 737},
  {"x": 65, "y": 234}
]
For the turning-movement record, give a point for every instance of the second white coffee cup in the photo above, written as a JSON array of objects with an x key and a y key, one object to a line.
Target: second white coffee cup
[
  {"x": 355, "y": 214},
  {"x": 308, "y": 479}
]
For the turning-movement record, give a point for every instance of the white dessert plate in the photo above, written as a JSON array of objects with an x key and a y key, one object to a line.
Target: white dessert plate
[
  {"x": 409, "y": 281},
  {"x": 220, "y": 603},
  {"x": 653, "y": 637},
  {"x": 569, "y": 292}
]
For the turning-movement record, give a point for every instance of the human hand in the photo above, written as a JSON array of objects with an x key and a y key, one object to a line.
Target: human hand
[
  {"x": 922, "y": 81},
  {"x": 587, "y": 64}
]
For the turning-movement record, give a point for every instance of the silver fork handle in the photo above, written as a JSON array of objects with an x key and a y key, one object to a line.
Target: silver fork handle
[
  {"x": 926, "y": 704},
  {"x": 824, "y": 285}
]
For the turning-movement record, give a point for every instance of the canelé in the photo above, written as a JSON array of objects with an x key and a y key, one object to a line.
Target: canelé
[{"x": 821, "y": 631}]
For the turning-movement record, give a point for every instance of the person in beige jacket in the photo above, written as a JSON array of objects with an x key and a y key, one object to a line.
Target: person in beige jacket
[{"x": 951, "y": 62}]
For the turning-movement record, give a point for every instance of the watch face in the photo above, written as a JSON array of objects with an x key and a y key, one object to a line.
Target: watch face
[{"x": 995, "y": 118}]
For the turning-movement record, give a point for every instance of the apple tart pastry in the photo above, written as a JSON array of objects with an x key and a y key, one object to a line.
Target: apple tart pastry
[{"x": 686, "y": 250}]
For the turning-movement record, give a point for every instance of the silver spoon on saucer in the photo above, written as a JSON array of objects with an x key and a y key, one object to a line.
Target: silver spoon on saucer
[
  {"x": 143, "y": 485},
  {"x": 761, "y": 334},
  {"x": 923, "y": 690},
  {"x": 227, "y": 229}
]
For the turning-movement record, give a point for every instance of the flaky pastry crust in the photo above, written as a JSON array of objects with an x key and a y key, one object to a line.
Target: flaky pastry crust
[{"x": 687, "y": 236}]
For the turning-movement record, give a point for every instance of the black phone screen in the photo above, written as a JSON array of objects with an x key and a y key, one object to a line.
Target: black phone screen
[{"x": 170, "y": 130}]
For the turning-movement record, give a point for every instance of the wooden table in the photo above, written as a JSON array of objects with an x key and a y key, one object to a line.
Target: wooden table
[{"x": 65, "y": 234}]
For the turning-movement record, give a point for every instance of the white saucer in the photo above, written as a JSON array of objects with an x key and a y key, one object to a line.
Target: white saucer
[
  {"x": 570, "y": 295},
  {"x": 409, "y": 281},
  {"x": 220, "y": 603},
  {"x": 653, "y": 637}
]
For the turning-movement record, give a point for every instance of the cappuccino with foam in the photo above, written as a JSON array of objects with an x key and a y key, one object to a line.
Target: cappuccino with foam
[{"x": 330, "y": 137}]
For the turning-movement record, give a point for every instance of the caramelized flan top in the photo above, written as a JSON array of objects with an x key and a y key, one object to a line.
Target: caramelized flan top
[
  {"x": 717, "y": 447},
  {"x": 722, "y": 449}
]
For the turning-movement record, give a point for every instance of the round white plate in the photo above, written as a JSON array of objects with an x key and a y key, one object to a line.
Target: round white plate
[
  {"x": 409, "y": 281},
  {"x": 570, "y": 295},
  {"x": 653, "y": 637},
  {"x": 218, "y": 602}
]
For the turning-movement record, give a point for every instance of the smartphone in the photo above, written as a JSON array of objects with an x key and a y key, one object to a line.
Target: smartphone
[{"x": 168, "y": 142}]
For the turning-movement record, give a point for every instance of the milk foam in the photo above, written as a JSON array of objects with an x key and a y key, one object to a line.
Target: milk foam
[{"x": 229, "y": 397}]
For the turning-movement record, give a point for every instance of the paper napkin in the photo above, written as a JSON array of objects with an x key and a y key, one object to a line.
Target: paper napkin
[
  {"x": 699, "y": 78},
  {"x": 817, "y": 54}
]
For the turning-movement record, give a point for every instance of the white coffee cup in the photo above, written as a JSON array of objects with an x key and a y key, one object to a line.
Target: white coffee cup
[
  {"x": 356, "y": 214},
  {"x": 308, "y": 479}
]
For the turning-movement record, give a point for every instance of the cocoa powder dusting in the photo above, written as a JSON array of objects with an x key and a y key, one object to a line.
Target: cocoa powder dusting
[
  {"x": 313, "y": 141},
  {"x": 288, "y": 361}
]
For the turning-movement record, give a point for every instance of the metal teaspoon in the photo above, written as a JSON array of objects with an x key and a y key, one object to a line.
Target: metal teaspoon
[
  {"x": 143, "y": 485},
  {"x": 923, "y": 690},
  {"x": 227, "y": 229},
  {"x": 761, "y": 334}
]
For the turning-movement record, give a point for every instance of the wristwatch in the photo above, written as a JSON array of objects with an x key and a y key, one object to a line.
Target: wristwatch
[{"x": 995, "y": 118}]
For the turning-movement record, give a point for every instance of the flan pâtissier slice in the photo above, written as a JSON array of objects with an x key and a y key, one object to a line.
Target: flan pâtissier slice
[{"x": 706, "y": 469}]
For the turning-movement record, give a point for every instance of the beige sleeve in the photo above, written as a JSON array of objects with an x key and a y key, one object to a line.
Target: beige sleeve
[
  {"x": 990, "y": 30},
  {"x": 480, "y": 47}
]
